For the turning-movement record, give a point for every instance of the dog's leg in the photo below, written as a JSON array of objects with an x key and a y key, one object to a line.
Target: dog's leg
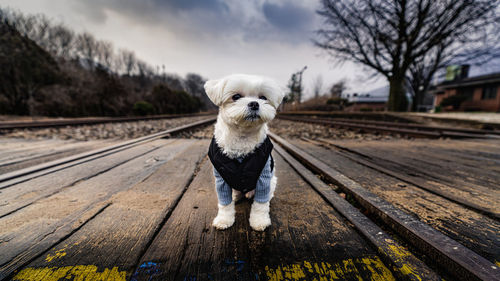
[
  {"x": 259, "y": 216},
  {"x": 225, "y": 216}
]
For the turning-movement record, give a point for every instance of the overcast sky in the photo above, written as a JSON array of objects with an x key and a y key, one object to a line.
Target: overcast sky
[{"x": 210, "y": 37}]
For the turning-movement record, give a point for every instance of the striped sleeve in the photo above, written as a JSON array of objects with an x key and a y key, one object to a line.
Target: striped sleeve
[
  {"x": 263, "y": 189},
  {"x": 224, "y": 192}
]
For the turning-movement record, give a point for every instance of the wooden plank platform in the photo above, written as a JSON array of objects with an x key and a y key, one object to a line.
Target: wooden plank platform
[
  {"x": 16, "y": 154},
  {"x": 476, "y": 231},
  {"x": 145, "y": 214},
  {"x": 31, "y": 230}
]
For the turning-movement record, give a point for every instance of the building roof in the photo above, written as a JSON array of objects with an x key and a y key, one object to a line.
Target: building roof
[
  {"x": 471, "y": 81},
  {"x": 378, "y": 95}
]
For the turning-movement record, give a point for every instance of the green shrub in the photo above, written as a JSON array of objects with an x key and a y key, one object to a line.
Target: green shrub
[
  {"x": 366, "y": 109},
  {"x": 143, "y": 108}
]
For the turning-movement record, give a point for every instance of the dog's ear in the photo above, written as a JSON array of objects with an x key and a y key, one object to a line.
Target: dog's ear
[
  {"x": 215, "y": 90},
  {"x": 276, "y": 93}
]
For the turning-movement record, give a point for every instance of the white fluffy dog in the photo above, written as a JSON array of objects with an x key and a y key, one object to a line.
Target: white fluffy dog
[{"x": 246, "y": 103}]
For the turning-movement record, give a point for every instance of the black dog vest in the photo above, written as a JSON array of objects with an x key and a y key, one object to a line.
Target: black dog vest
[{"x": 242, "y": 176}]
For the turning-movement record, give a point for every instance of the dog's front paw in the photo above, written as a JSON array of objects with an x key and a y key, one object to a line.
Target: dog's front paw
[
  {"x": 225, "y": 217},
  {"x": 260, "y": 222},
  {"x": 259, "y": 216},
  {"x": 223, "y": 222}
]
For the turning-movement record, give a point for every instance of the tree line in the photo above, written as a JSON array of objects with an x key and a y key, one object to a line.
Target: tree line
[{"x": 48, "y": 69}]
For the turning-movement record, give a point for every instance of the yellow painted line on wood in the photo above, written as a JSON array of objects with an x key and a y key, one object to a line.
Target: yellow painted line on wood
[
  {"x": 400, "y": 254},
  {"x": 324, "y": 271},
  {"x": 76, "y": 273},
  {"x": 58, "y": 254}
]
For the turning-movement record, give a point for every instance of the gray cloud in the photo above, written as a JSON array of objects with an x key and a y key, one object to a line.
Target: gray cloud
[
  {"x": 285, "y": 21},
  {"x": 210, "y": 37},
  {"x": 288, "y": 16},
  {"x": 191, "y": 4}
]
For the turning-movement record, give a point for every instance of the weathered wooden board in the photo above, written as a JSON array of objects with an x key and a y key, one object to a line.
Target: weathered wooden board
[
  {"x": 425, "y": 163},
  {"x": 14, "y": 148},
  {"x": 307, "y": 239},
  {"x": 485, "y": 169},
  {"x": 37, "y": 227},
  {"x": 115, "y": 239},
  {"x": 474, "y": 230},
  {"x": 19, "y": 196},
  {"x": 429, "y": 177},
  {"x": 478, "y": 153},
  {"x": 17, "y": 153}
]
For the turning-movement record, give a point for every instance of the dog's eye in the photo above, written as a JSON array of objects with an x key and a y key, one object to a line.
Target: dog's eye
[
  {"x": 236, "y": 97},
  {"x": 262, "y": 98}
]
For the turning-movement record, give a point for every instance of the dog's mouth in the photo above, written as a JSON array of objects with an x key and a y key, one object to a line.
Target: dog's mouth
[{"x": 252, "y": 117}]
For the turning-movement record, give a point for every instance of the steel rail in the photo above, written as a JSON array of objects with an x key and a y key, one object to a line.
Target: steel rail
[
  {"x": 457, "y": 260},
  {"x": 34, "y": 171},
  {"x": 11, "y": 125},
  {"x": 386, "y": 129},
  {"x": 411, "y": 126}
]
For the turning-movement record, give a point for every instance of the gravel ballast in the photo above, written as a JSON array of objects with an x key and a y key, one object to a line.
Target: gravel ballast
[
  {"x": 294, "y": 130},
  {"x": 130, "y": 130},
  {"x": 118, "y": 131}
]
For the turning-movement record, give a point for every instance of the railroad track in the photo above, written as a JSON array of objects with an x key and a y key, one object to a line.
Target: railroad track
[
  {"x": 142, "y": 210},
  {"x": 13, "y": 125},
  {"x": 459, "y": 261},
  {"x": 363, "y": 160},
  {"x": 17, "y": 176},
  {"x": 413, "y": 130}
]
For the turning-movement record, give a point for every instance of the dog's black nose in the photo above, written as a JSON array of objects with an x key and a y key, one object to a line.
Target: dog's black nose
[{"x": 253, "y": 105}]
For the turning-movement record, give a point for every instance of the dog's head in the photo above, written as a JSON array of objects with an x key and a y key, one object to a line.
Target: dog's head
[{"x": 245, "y": 100}]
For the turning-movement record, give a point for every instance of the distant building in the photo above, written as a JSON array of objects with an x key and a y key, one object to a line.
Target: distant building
[
  {"x": 375, "y": 100},
  {"x": 481, "y": 93}
]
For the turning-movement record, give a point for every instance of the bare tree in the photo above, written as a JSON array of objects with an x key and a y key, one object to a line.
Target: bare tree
[
  {"x": 144, "y": 69},
  {"x": 317, "y": 85},
  {"x": 421, "y": 73},
  {"x": 86, "y": 48},
  {"x": 193, "y": 84},
  {"x": 65, "y": 40},
  {"x": 338, "y": 88},
  {"x": 128, "y": 60},
  {"x": 117, "y": 64},
  {"x": 389, "y": 36},
  {"x": 41, "y": 31},
  {"x": 24, "y": 24},
  {"x": 60, "y": 41},
  {"x": 105, "y": 53}
]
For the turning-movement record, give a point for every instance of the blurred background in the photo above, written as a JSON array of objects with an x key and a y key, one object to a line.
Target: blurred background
[{"x": 121, "y": 58}]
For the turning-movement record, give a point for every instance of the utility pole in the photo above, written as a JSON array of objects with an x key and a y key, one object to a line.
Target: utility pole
[{"x": 299, "y": 75}]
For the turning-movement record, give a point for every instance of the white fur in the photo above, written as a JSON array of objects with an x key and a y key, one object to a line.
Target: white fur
[
  {"x": 238, "y": 131},
  {"x": 225, "y": 216},
  {"x": 259, "y": 216}
]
